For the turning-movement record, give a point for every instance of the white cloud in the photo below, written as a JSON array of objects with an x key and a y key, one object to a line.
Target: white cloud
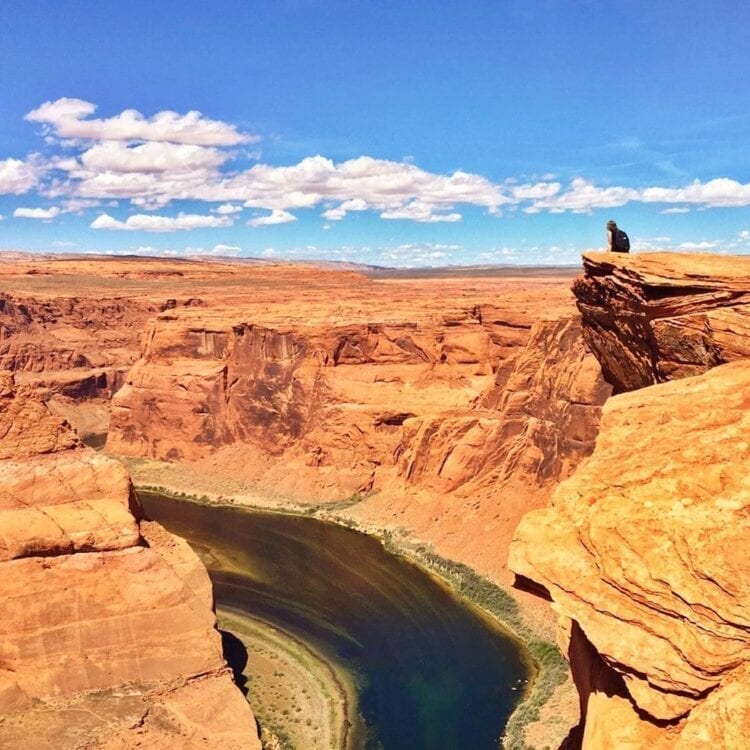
[
  {"x": 148, "y": 223},
  {"x": 381, "y": 185},
  {"x": 340, "y": 211},
  {"x": 269, "y": 252},
  {"x": 37, "y": 213},
  {"x": 229, "y": 250},
  {"x": 744, "y": 234},
  {"x": 17, "y": 176},
  {"x": 64, "y": 243},
  {"x": 721, "y": 192},
  {"x": 582, "y": 197},
  {"x": 276, "y": 216},
  {"x": 79, "y": 205},
  {"x": 419, "y": 211},
  {"x": 537, "y": 191},
  {"x": 705, "y": 245},
  {"x": 70, "y": 118},
  {"x": 226, "y": 209},
  {"x": 150, "y": 157},
  {"x": 153, "y": 161},
  {"x": 412, "y": 254},
  {"x": 651, "y": 243}
]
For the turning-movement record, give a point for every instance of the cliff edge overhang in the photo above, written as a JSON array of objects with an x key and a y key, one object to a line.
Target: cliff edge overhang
[
  {"x": 108, "y": 636},
  {"x": 655, "y": 317}
]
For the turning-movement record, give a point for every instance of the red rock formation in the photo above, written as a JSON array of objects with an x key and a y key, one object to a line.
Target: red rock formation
[
  {"x": 45, "y": 334},
  {"x": 465, "y": 477},
  {"x": 107, "y": 629},
  {"x": 535, "y": 423},
  {"x": 647, "y": 546},
  {"x": 658, "y": 316},
  {"x": 644, "y": 549},
  {"x": 318, "y": 408}
]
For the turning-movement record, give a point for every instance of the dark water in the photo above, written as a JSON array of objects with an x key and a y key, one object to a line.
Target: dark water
[{"x": 433, "y": 675}]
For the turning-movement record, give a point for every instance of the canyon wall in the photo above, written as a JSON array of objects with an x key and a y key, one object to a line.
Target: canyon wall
[
  {"x": 644, "y": 549},
  {"x": 307, "y": 410},
  {"x": 77, "y": 347},
  {"x": 464, "y": 477},
  {"x": 108, "y": 638}
]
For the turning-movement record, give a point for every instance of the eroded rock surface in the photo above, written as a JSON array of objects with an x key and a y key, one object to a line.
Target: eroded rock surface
[
  {"x": 311, "y": 399},
  {"x": 108, "y": 638},
  {"x": 645, "y": 551},
  {"x": 659, "y": 316},
  {"x": 465, "y": 476}
]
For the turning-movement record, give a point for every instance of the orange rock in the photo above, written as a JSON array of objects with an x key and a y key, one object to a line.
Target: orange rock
[
  {"x": 317, "y": 404},
  {"x": 647, "y": 548},
  {"x": 90, "y": 611},
  {"x": 465, "y": 477},
  {"x": 26, "y": 426},
  {"x": 658, "y": 316}
]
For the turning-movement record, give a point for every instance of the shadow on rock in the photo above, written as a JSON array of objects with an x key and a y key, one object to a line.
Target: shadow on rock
[{"x": 236, "y": 655}]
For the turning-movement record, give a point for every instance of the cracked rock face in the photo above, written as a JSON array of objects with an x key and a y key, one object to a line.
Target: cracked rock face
[
  {"x": 662, "y": 316},
  {"x": 645, "y": 549},
  {"x": 645, "y": 552},
  {"x": 108, "y": 638}
]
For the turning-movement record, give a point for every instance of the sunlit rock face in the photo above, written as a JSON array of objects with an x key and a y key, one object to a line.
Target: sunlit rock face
[
  {"x": 644, "y": 550},
  {"x": 317, "y": 409},
  {"x": 108, "y": 637},
  {"x": 659, "y": 316},
  {"x": 534, "y": 423},
  {"x": 466, "y": 476},
  {"x": 71, "y": 345}
]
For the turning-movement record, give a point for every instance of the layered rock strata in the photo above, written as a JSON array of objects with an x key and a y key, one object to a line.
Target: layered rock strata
[
  {"x": 74, "y": 346},
  {"x": 464, "y": 477},
  {"x": 659, "y": 316},
  {"x": 108, "y": 638},
  {"x": 644, "y": 549},
  {"x": 317, "y": 410}
]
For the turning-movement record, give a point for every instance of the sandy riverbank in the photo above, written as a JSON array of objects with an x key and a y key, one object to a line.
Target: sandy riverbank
[{"x": 301, "y": 699}]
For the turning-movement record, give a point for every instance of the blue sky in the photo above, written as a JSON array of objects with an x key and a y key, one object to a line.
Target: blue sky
[{"x": 399, "y": 133}]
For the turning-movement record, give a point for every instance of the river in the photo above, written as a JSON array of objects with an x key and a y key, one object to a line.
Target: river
[{"x": 431, "y": 672}]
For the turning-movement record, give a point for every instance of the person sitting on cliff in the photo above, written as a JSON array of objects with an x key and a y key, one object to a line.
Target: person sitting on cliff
[{"x": 617, "y": 240}]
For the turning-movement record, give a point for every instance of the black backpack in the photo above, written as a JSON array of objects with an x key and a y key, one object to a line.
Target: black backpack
[{"x": 620, "y": 242}]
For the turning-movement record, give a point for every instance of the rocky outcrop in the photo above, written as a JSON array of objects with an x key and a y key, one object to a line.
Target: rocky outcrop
[
  {"x": 660, "y": 316},
  {"x": 108, "y": 638},
  {"x": 533, "y": 424},
  {"x": 644, "y": 549},
  {"x": 76, "y": 347}
]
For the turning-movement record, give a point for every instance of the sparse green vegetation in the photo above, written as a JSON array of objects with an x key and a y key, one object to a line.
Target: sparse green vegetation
[{"x": 551, "y": 668}]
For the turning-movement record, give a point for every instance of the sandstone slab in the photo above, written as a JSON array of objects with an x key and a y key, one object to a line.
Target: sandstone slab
[
  {"x": 646, "y": 549},
  {"x": 654, "y": 317}
]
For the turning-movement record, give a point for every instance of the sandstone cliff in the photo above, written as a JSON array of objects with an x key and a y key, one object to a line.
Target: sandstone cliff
[
  {"x": 313, "y": 410},
  {"x": 465, "y": 476},
  {"x": 644, "y": 550},
  {"x": 660, "y": 316},
  {"x": 75, "y": 346},
  {"x": 107, "y": 638}
]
